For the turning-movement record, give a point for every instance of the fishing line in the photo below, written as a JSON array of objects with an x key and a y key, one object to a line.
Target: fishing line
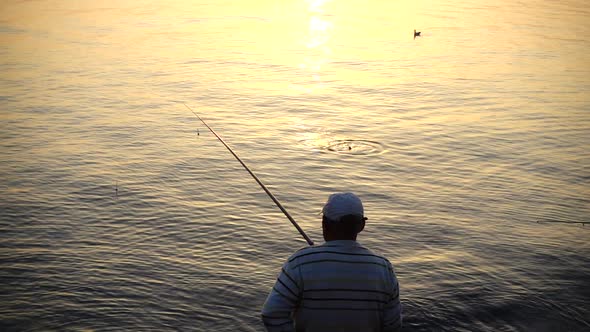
[
  {"x": 274, "y": 199},
  {"x": 583, "y": 223}
]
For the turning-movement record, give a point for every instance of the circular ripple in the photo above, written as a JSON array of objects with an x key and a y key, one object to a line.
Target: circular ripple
[{"x": 355, "y": 147}]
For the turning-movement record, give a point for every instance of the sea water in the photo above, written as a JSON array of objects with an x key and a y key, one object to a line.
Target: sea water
[{"x": 120, "y": 211}]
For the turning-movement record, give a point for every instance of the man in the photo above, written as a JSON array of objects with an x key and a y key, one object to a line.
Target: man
[{"x": 337, "y": 286}]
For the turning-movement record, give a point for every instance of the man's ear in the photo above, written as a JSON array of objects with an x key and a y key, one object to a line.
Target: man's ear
[{"x": 361, "y": 226}]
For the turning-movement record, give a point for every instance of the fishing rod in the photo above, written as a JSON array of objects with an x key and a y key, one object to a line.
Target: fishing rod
[{"x": 274, "y": 199}]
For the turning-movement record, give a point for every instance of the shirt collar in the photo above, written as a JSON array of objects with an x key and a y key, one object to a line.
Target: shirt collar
[{"x": 343, "y": 243}]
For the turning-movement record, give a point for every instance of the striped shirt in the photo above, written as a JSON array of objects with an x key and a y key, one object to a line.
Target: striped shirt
[{"x": 337, "y": 286}]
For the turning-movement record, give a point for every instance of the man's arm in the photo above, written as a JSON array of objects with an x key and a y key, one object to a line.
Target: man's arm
[
  {"x": 280, "y": 304},
  {"x": 392, "y": 312}
]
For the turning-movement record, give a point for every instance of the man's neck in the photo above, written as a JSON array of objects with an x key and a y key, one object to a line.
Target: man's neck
[{"x": 336, "y": 237}]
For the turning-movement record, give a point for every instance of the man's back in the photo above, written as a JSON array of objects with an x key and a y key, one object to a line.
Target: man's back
[{"x": 338, "y": 286}]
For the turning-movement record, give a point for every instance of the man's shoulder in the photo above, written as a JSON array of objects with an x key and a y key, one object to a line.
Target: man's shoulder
[
  {"x": 313, "y": 252},
  {"x": 303, "y": 251},
  {"x": 377, "y": 254}
]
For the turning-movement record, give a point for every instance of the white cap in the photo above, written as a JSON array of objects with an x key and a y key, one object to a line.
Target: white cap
[{"x": 342, "y": 204}]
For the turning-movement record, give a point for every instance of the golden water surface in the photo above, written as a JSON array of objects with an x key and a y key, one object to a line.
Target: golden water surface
[{"x": 119, "y": 211}]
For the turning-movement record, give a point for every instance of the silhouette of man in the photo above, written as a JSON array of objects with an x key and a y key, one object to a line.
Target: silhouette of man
[{"x": 337, "y": 286}]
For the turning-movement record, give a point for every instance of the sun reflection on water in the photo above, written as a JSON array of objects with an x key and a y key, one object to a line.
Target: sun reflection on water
[
  {"x": 316, "y": 6},
  {"x": 319, "y": 30}
]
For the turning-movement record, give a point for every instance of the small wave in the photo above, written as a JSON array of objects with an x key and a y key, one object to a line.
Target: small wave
[{"x": 355, "y": 147}]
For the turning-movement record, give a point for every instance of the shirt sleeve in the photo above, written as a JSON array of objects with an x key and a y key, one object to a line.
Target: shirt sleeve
[
  {"x": 392, "y": 311},
  {"x": 277, "y": 312}
]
